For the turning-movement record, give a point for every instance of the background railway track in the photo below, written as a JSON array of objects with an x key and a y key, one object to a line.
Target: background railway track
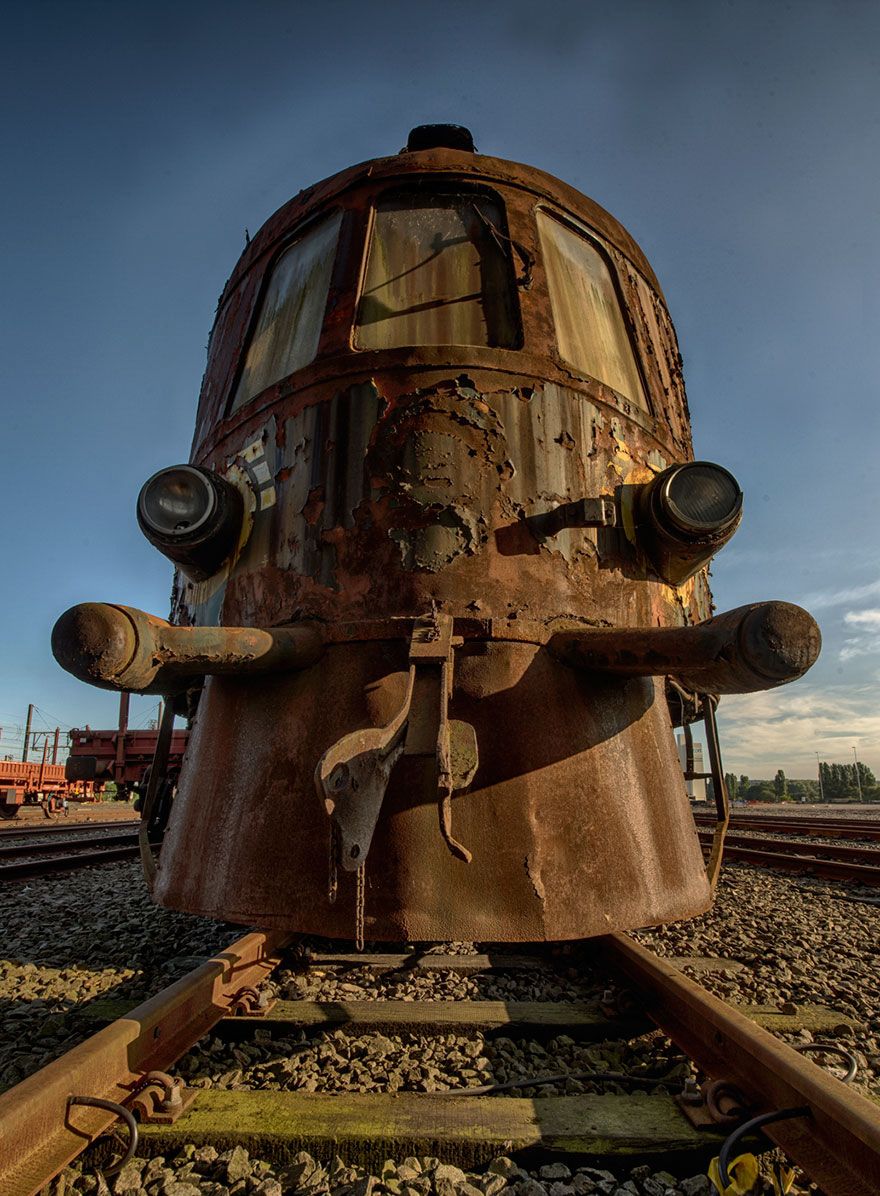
[
  {"x": 831, "y": 860},
  {"x": 34, "y": 856},
  {"x": 19, "y": 829},
  {"x": 867, "y": 828}
]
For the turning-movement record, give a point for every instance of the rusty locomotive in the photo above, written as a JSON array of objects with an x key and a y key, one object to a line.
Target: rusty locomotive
[{"x": 441, "y": 592}]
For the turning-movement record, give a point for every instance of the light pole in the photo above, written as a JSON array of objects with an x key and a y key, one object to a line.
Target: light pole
[
  {"x": 821, "y": 786},
  {"x": 858, "y": 778}
]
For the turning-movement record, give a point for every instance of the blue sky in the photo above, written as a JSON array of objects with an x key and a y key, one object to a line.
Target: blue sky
[{"x": 737, "y": 141}]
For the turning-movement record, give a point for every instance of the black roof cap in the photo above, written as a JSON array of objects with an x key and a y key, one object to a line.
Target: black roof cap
[{"x": 424, "y": 137}]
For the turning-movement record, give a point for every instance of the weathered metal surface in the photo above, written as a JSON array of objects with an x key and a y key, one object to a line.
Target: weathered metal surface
[
  {"x": 838, "y": 1145},
  {"x": 118, "y": 647},
  {"x": 39, "y": 1134},
  {"x": 567, "y": 833},
  {"x": 751, "y": 648},
  {"x": 390, "y": 483}
]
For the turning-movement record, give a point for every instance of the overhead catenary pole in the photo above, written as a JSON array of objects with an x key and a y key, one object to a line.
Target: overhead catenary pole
[
  {"x": 27, "y": 732},
  {"x": 821, "y": 786},
  {"x": 858, "y": 778},
  {"x": 55, "y": 745}
]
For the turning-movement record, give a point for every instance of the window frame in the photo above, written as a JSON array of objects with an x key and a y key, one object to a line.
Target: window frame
[
  {"x": 594, "y": 239},
  {"x": 432, "y": 187},
  {"x": 333, "y": 288}
]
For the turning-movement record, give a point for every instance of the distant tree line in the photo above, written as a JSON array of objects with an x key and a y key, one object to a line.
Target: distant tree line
[
  {"x": 839, "y": 783},
  {"x": 842, "y": 780}
]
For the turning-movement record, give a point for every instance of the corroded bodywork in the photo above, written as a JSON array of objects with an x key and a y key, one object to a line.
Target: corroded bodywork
[{"x": 411, "y": 495}]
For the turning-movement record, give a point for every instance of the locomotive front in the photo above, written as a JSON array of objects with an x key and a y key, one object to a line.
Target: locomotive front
[{"x": 441, "y": 587}]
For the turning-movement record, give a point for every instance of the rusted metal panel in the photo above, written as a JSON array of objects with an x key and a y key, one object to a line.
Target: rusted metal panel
[
  {"x": 577, "y": 825},
  {"x": 384, "y": 500}
]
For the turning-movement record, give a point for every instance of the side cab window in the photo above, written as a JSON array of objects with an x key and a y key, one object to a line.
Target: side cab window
[
  {"x": 287, "y": 330},
  {"x": 590, "y": 330}
]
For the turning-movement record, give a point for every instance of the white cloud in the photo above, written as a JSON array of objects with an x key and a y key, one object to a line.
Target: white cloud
[
  {"x": 863, "y": 618},
  {"x": 866, "y": 641},
  {"x": 784, "y": 728},
  {"x": 825, "y": 598}
]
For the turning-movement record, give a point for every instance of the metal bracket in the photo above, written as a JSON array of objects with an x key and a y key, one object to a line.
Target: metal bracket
[
  {"x": 161, "y": 1099},
  {"x": 352, "y": 776},
  {"x": 250, "y": 1002},
  {"x": 713, "y": 1103},
  {"x": 583, "y": 512}
]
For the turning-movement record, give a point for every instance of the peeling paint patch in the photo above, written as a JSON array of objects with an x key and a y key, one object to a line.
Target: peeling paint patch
[
  {"x": 534, "y": 875},
  {"x": 453, "y": 531}
]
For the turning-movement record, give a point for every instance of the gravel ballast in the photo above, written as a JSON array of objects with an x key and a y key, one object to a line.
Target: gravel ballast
[
  {"x": 95, "y": 933},
  {"x": 803, "y": 940},
  {"x": 204, "y": 1170},
  {"x": 73, "y": 937}
]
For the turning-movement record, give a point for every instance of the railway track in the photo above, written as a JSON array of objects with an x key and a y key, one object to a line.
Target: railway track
[
  {"x": 829, "y": 828},
  {"x": 22, "y": 830},
  {"x": 624, "y": 1119},
  {"x": 26, "y": 859},
  {"x": 831, "y": 861}
]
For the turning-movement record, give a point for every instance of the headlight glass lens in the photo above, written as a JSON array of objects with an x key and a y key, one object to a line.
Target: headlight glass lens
[
  {"x": 702, "y": 497},
  {"x": 176, "y": 501}
]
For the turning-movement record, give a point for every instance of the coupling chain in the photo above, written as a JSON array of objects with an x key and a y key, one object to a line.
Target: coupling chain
[
  {"x": 359, "y": 907},
  {"x": 332, "y": 864}
]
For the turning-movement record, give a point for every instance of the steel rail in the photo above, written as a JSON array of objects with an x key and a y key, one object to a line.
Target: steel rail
[
  {"x": 65, "y": 826},
  {"x": 41, "y": 866},
  {"x": 838, "y": 1146},
  {"x": 793, "y": 858},
  {"x": 58, "y": 846},
  {"x": 39, "y": 1135},
  {"x": 845, "y": 853},
  {"x": 829, "y": 828}
]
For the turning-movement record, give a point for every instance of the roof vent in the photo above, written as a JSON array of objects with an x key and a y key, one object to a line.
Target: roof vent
[{"x": 424, "y": 137}]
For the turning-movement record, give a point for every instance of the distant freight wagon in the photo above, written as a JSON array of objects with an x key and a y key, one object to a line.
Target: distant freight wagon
[
  {"x": 29, "y": 783},
  {"x": 119, "y": 755}
]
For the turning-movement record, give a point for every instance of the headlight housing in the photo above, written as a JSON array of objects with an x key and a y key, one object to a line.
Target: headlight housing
[
  {"x": 687, "y": 513},
  {"x": 193, "y": 516}
]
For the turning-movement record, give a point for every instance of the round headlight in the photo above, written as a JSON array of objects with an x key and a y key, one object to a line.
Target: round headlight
[
  {"x": 700, "y": 498},
  {"x": 192, "y": 515},
  {"x": 176, "y": 502}
]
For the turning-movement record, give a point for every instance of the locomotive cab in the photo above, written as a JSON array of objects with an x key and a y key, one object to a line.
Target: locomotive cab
[{"x": 441, "y": 555}]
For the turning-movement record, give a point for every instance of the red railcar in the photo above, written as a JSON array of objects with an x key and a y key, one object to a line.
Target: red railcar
[
  {"x": 28, "y": 782},
  {"x": 117, "y": 755}
]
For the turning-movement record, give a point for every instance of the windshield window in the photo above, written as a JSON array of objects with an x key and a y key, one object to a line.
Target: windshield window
[
  {"x": 288, "y": 329},
  {"x": 590, "y": 329},
  {"x": 438, "y": 273}
]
